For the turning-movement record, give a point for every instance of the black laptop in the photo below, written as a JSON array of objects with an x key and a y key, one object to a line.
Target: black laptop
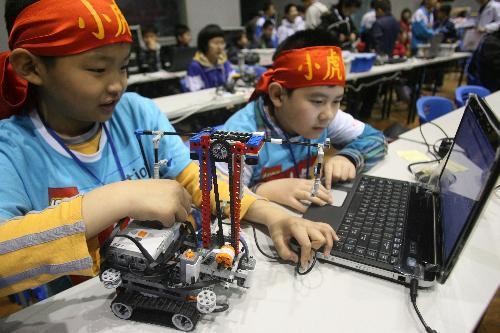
[{"x": 399, "y": 230}]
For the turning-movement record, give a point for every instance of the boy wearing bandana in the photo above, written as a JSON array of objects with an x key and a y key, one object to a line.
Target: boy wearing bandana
[
  {"x": 70, "y": 166},
  {"x": 298, "y": 99}
]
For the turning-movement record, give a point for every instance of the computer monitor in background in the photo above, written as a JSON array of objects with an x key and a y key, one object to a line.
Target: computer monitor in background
[{"x": 176, "y": 59}]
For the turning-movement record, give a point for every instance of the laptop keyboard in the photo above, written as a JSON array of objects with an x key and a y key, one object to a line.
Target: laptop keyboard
[{"x": 373, "y": 227}]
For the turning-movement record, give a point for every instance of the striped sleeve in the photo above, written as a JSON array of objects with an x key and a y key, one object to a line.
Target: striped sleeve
[
  {"x": 190, "y": 180},
  {"x": 41, "y": 246}
]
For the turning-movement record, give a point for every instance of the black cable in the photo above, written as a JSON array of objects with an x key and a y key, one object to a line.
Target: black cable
[
  {"x": 278, "y": 259},
  {"x": 417, "y": 163},
  {"x": 259, "y": 248},
  {"x": 146, "y": 164},
  {"x": 413, "y": 297}
]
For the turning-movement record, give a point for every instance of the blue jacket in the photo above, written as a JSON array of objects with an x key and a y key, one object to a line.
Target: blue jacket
[
  {"x": 201, "y": 74},
  {"x": 383, "y": 34}
]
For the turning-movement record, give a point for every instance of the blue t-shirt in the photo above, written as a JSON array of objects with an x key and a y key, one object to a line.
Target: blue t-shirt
[{"x": 36, "y": 172}]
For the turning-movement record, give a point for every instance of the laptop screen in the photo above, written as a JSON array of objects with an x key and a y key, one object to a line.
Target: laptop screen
[{"x": 466, "y": 174}]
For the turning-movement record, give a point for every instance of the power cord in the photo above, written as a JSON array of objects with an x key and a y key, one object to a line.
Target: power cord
[{"x": 413, "y": 297}]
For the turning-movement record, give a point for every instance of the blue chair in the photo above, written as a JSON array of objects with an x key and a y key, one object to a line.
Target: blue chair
[
  {"x": 431, "y": 107},
  {"x": 462, "y": 93}
]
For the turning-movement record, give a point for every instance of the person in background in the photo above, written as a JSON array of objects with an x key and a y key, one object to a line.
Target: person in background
[
  {"x": 292, "y": 23},
  {"x": 182, "y": 35},
  {"x": 385, "y": 30},
  {"x": 403, "y": 42},
  {"x": 484, "y": 67},
  {"x": 367, "y": 21},
  {"x": 381, "y": 40},
  {"x": 268, "y": 39},
  {"x": 269, "y": 15},
  {"x": 209, "y": 67},
  {"x": 340, "y": 22},
  {"x": 444, "y": 25},
  {"x": 150, "y": 56},
  {"x": 314, "y": 10},
  {"x": 238, "y": 42},
  {"x": 302, "y": 12},
  {"x": 422, "y": 23},
  {"x": 489, "y": 16}
]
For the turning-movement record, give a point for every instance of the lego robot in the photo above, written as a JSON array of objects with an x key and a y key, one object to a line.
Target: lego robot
[{"x": 162, "y": 276}]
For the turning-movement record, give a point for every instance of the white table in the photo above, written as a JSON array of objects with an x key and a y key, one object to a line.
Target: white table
[
  {"x": 180, "y": 106},
  {"x": 329, "y": 299}
]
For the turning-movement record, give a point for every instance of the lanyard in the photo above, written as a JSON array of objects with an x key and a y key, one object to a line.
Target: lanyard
[
  {"x": 80, "y": 163},
  {"x": 295, "y": 165}
]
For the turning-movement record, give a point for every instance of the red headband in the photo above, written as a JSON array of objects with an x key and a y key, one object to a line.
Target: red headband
[
  {"x": 58, "y": 28},
  {"x": 306, "y": 67}
]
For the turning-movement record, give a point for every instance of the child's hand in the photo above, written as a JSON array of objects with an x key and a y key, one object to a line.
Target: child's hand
[
  {"x": 161, "y": 200},
  {"x": 291, "y": 191},
  {"x": 338, "y": 168},
  {"x": 310, "y": 236},
  {"x": 154, "y": 199}
]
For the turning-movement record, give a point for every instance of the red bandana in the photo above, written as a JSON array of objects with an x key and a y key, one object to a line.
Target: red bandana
[
  {"x": 58, "y": 28},
  {"x": 307, "y": 67}
]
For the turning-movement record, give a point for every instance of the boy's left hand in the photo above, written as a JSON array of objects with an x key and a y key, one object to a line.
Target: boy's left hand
[{"x": 338, "y": 168}]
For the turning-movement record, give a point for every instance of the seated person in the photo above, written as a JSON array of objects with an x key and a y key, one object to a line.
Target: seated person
[
  {"x": 292, "y": 23},
  {"x": 268, "y": 39},
  {"x": 444, "y": 25},
  {"x": 294, "y": 102},
  {"x": 239, "y": 42},
  {"x": 182, "y": 35},
  {"x": 210, "y": 67},
  {"x": 69, "y": 166},
  {"x": 150, "y": 55},
  {"x": 338, "y": 20}
]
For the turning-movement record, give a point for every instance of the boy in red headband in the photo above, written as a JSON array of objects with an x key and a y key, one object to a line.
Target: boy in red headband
[
  {"x": 298, "y": 99},
  {"x": 68, "y": 145}
]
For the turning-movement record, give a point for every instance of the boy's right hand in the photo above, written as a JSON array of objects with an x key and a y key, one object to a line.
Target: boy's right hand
[
  {"x": 161, "y": 200},
  {"x": 292, "y": 191}
]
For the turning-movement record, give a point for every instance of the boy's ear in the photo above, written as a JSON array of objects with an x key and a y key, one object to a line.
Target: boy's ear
[
  {"x": 275, "y": 91},
  {"x": 27, "y": 65}
]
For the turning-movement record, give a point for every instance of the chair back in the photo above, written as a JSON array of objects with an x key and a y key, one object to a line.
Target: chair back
[
  {"x": 431, "y": 107},
  {"x": 462, "y": 93}
]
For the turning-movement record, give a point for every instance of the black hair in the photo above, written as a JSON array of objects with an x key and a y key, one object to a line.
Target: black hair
[
  {"x": 149, "y": 29},
  {"x": 289, "y": 7},
  {"x": 267, "y": 5},
  {"x": 12, "y": 10},
  {"x": 301, "y": 9},
  {"x": 349, "y": 3},
  {"x": 446, "y": 9},
  {"x": 206, "y": 34},
  {"x": 237, "y": 36},
  {"x": 307, "y": 38},
  {"x": 384, "y": 5},
  {"x": 406, "y": 10},
  {"x": 267, "y": 23},
  {"x": 180, "y": 29}
]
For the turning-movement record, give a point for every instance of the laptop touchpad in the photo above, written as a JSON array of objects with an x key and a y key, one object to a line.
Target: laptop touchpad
[{"x": 338, "y": 197}]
